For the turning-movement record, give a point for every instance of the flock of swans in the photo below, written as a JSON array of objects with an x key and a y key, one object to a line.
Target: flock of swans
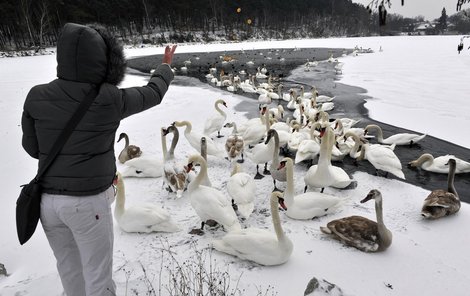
[{"x": 279, "y": 144}]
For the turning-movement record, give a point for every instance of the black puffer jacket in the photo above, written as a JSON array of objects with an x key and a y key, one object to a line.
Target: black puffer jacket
[{"x": 88, "y": 59}]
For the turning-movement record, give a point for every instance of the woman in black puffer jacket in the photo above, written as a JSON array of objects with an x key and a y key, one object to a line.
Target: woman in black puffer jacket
[{"x": 75, "y": 206}]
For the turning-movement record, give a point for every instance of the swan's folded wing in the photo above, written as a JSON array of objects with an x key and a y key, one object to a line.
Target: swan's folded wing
[
  {"x": 356, "y": 231},
  {"x": 250, "y": 240}
]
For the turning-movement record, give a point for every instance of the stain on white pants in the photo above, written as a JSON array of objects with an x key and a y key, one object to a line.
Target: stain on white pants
[{"x": 80, "y": 232}]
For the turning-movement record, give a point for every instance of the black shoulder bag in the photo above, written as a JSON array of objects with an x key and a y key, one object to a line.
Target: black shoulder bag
[{"x": 28, "y": 205}]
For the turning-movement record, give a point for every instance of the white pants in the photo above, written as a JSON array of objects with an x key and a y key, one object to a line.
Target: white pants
[{"x": 80, "y": 233}]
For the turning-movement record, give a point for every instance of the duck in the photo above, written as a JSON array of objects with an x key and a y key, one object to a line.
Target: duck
[
  {"x": 208, "y": 202},
  {"x": 439, "y": 164},
  {"x": 129, "y": 151},
  {"x": 259, "y": 245},
  {"x": 397, "y": 139},
  {"x": 307, "y": 205},
  {"x": 174, "y": 173},
  {"x": 441, "y": 203},
  {"x": 216, "y": 122},
  {"x": 234, "y": 144},
  {"x": 277, "y": 174},
  {"x": 361, "y": 233},
  {"x": 241, "y": 188},
  {"x": 382, "y": 158},
  {"x": 144, "y": 218},
  {"x": 194, "y": 139},
  {"x": 324, "y": 174}
]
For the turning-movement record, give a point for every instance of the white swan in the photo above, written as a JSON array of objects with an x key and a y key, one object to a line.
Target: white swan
[
  {"x": 216, "y": 122},
  {"x": 208, "y": 202},
  {"x": 261, "y": 153},
  {"x": 175, "y": 175},
  {"x": 382, "y": 158},
  {"x": 255, "y": 132},
  {"x": 129, "y": 151},
  {"x": 307, "y": 205},
  {"x": 362, "y": 233},
  {"x": 308, "y": 149},
  {"x": 441, "y": 203},
  {"x": 259, "y": 245},
  {"x": 398, "y": 139},
  {"x": 146, "y": 166},
  {"x": 324, "y": 174},
  {"x": 242, "y": 189},
  {"x": 439, "y": 164},
  {"x": 140, "y": 218},
  {"x": 234, "y": 144},
  {"x": 194, "y": 139}
]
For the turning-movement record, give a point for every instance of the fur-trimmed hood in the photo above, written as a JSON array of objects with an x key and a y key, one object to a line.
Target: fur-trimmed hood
[{"x": 89, "y": 54}]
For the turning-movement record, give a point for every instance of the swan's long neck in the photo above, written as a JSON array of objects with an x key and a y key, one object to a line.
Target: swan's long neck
[
  {"x": 120, "y": 198},
  {"x": 201, "y": 176},
  {"x": 164, "y": 147},
  {"x": 126, "y": 138},
  {"x": 217, "y": 108},
  {"x": 234, "y": 130},
  {"x": 266, "y": 120},
  {"x": 174, "y": 141},
  {"x": 276, "y": 148},
  {"x": 363, "y": 152},
  {"x": 204, "y": 149},
  {"x": 450, "y": 179},
  {"x": 326, "y": 148},
  {"x": 385, "y": 234},
  {"x": 236, "y": 169},
  {"x": 380, "y": 135},
  {"x": 289, "y": 192},
  {"x": 422, "y": 159},
  {"x": 277, "y": 219},
  {"x": 357, "y": 142},
  {"x": 188, "y": 125}
]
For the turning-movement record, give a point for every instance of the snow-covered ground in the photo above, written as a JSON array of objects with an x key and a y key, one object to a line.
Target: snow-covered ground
[{"x": 413, "y": 78}]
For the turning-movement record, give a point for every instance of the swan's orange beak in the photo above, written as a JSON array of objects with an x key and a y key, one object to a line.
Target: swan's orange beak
[
  {"x": 189, "y": 167},
  {"x": 282, "y": 165},
  {"x": 282, "y": 204},
  {"x": 115, "y": 180},
  {"x": 322, "y": 132}
]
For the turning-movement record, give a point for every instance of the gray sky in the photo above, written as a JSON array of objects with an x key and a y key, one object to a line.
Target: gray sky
[{"x": 430, "y": 9}]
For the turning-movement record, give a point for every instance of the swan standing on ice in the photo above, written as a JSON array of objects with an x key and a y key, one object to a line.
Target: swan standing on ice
[
  {"x": 439, "y": 164},
  {"x": 242, "y": 190},
  {"x": 441, "y": 203},
  {"x": 398, "y": 139},
  {"x": 362, "y": 233},
  {"x": 259, "y": 245},
  {"x": 307, "y": 205},
  {"x": 216, "y": 122},
  {"x": 324, "y": 174},
  {"x": 140, "y": 218},
  {"x": 382, "y": 158},
  {"x": 129, "y": 151},
  {"x": 209, "y": 203}
]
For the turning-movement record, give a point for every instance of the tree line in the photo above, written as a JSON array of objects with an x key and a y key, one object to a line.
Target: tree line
[{"x": 28, "y": 23}]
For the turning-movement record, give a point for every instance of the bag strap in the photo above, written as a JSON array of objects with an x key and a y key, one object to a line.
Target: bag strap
[{"x": 66, "y": 132}]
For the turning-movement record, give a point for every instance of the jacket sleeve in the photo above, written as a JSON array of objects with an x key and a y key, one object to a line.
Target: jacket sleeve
[
  {"x": 138, "y": 99},
  {"x": 29, "y": 141}
]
